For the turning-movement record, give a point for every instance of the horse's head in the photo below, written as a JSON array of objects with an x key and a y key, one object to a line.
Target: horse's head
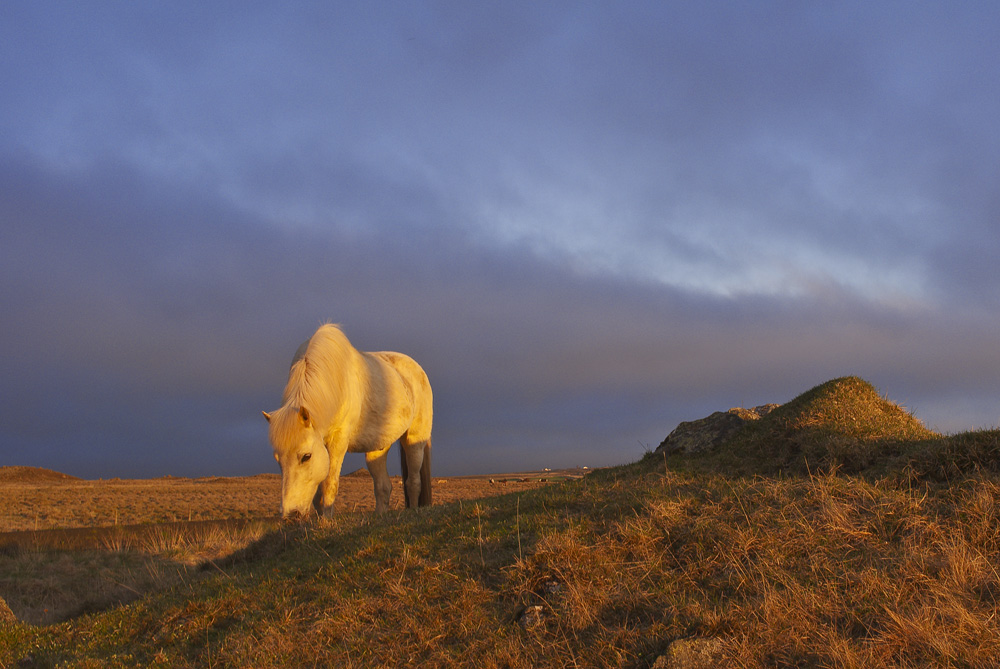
[{"x": 299, "y": 449}]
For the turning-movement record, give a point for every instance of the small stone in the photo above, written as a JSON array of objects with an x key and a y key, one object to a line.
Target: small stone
[{"x": 532, "y": 616}]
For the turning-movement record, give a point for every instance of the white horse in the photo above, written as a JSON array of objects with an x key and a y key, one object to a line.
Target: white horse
[{"x": 339, "y": 399}]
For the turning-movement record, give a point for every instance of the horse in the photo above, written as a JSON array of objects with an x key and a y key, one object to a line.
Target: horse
[{"x": 339, "y": 399}]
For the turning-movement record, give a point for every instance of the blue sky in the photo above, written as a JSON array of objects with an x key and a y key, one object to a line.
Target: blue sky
[{"x": 588, "y": 221}]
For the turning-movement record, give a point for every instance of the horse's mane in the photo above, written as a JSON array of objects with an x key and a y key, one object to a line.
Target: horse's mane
[{"x": 319, "y": 380}]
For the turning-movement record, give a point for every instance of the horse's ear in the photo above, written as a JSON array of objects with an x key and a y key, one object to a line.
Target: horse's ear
[
  {"x": 304, "y": 416},
  {"x": 267, "y": 416}
]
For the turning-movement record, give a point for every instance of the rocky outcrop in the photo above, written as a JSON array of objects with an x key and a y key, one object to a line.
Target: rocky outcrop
[{"x": 698, "y": 436}]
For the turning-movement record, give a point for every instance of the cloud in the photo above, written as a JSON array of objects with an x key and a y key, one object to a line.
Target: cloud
[
  {"x": 587, "y": 223},
  {"x": 135, "y": 343}
]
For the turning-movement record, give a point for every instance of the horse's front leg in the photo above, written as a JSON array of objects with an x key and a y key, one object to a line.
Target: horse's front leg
[
  {"x": 380, "y": 478},
  {"x": 326, "y": 495}
]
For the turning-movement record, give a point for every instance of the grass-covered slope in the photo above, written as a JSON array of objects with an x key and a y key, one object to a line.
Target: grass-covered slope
[{"x": 793, "y": 570}]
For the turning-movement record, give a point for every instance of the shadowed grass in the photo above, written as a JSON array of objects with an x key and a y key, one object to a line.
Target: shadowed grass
[
  {"x": 45, "y": 585},
  {"x": 953, "y": 457}
]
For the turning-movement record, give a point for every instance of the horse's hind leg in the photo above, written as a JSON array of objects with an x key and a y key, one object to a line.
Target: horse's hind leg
[
  {"x": 380, "y": 478},
  {"x": 416, "y": 465}
]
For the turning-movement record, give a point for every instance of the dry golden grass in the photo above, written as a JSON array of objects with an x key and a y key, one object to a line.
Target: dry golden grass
[{"x": 799, "y": 571}]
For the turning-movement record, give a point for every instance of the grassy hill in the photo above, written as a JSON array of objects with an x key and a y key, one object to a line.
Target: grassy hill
[
  {"x": 845, "y": 425},
  {"x": 836, "y": 531}
]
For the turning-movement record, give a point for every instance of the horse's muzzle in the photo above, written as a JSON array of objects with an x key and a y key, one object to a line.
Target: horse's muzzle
[{"x": 295, "y": 516}]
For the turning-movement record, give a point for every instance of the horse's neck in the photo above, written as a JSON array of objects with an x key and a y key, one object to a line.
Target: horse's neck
[{"x": 329, "y": 388}]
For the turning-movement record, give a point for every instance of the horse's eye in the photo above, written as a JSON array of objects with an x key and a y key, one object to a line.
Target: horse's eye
[{"x": 305, "y": 458}]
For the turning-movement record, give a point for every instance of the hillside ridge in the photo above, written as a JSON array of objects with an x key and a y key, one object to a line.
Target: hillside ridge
[{"x": 22, "y": 474}]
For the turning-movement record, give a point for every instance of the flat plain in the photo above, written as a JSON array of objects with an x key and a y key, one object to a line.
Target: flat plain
[{"x": 36, "y": 499}]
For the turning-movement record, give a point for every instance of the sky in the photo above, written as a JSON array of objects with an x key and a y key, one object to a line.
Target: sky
[{"x": 588, "y": 221}]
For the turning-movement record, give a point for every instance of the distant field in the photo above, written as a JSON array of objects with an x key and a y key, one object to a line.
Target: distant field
[
  {"x": 39, "y": 499},
  {"x": 59, "y": 504}
]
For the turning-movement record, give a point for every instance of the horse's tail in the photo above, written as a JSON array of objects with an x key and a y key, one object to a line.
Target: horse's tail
[
  {"x": 425, "y": 476},
  {"x": 405, "y": 472}
]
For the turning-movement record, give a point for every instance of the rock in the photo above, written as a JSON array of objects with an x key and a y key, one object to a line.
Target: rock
[
  {"x": 691, "y": 654},
  {"x": 532, "y": 617},
  {"x": 698, "y": 436},
  {"x": 756, "y": 412}
]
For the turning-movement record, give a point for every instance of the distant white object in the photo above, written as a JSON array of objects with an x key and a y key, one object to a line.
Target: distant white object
[{"x": 546, "y": 470}]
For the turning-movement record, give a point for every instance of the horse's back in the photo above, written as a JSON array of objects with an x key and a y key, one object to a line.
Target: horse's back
[
  {"x": 405, "y": 365},
  {"x": 418, "y": 385}
]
